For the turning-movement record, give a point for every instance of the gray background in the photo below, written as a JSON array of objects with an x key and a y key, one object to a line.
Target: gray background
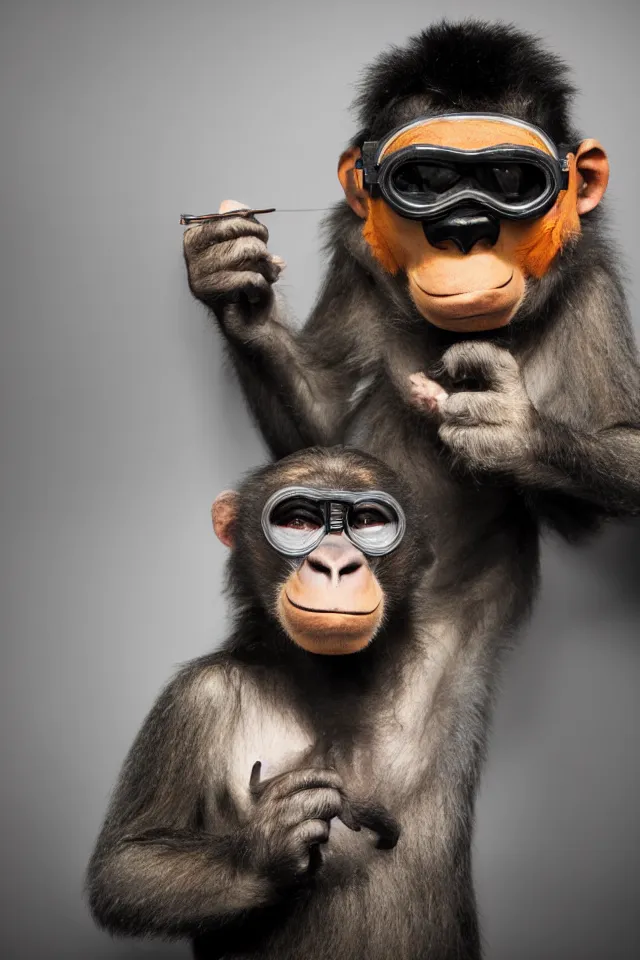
[{"x": 120, "y": 424}]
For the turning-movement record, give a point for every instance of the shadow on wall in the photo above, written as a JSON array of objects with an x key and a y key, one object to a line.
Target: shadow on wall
[{"x": 615, "y": 558}]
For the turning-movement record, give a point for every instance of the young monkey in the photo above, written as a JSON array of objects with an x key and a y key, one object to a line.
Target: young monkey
[{"x": 307, "y": 790}]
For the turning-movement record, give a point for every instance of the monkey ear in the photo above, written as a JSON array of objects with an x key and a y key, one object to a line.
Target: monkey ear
[
  {"x": 351, "y": 180},
  {"x": 593, "y": 170},
  {"x": 224, "y": 514}
]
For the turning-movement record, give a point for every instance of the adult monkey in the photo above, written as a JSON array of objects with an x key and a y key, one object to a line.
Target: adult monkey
[
  {"x": 442, "y": 290},
  {"x": 332, "y": 716}
]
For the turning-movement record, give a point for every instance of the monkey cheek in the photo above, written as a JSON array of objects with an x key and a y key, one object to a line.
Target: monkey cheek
[{"x": 329, "y": 633}]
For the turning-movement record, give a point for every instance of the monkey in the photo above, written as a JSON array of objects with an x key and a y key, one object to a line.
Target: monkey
[
  {"x": 307, "y": 790},
  {"x": 472, "y": 327}
]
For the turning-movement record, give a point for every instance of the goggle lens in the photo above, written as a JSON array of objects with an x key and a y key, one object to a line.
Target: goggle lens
[
  {"x": 295, "y": 524},
  {"x": 506, "y": 182},
  {"x": 372, "y": 525}
]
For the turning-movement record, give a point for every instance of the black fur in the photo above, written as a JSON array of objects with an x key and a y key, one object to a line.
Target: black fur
[{"x": 469, "y": 66}]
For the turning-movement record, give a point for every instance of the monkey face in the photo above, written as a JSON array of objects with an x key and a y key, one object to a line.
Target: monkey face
[
  {"x": 332, "y": 556},
  {"x": 332, "y": 603},
  {"x": 471, "y": 208}
]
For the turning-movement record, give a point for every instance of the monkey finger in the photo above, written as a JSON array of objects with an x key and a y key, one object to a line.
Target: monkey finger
[
  {"x": 493, "y": 366},
  {"x": 309, "y": 778},
  {"x": 231, "y": 287},
  {"x": 205, "y": 235},
  {"x": 254, "y": 779},
  {"x": 375, "y": 817},
  {"x": 246, "y": 255},
  {"x": 311, "y": 831},
  {"x": 471, "y": 409},
  {"x": 346, "y": 815},
  {"x": 426, "y": 393},
  {"x": 324, "y": 803},
  {"x": 231, "y": 254},
  {"x": 228, "y": 206}
]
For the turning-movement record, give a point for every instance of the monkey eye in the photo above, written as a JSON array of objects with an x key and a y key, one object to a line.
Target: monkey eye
[
  {"x": 364, "y": 518},
  {"x": 297, "y": 514}
]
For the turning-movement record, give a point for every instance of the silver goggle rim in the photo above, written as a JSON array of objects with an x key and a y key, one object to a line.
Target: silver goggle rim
[
  {"x": 334, "y": 521},
  {"x": 380, "y": 172}
]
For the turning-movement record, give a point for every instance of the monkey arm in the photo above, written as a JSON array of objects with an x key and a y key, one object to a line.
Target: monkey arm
[
  {"x": 154, "y": 869},
  {"x": 602, "y": 468},
  {"x": 580, "y": 440},
  {"x": 171, "y": 883},
  {"x": 293, "y": 387},
  {"x": 296, "y": 399}
]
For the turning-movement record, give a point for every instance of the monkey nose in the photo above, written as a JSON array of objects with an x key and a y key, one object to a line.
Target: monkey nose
[
  {"x": 464, "y": 228},
  {"x": 334, "y": 560}
]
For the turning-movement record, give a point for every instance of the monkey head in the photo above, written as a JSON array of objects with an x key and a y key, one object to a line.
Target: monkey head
[
  {"x": 320, "y": 539},
  {"x": 468, "y": 207}
]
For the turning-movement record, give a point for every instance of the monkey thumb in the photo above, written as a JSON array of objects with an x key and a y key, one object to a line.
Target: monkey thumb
[
  {"x": 347, "y": 817},
  {"x": 228, "y": 205}
]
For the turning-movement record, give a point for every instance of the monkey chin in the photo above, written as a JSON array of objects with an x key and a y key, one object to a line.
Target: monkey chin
[
  {"x": 474, "y": 311},
  {"x": 328, "y": 632}
]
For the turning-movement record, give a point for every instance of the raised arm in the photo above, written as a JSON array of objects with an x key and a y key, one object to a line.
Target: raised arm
[{"x": 294, "y": 390}]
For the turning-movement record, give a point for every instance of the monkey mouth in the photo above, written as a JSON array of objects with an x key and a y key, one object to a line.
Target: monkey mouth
[
  {"x": 466, "y": 293},
  {"x": 341, "y": 613}
]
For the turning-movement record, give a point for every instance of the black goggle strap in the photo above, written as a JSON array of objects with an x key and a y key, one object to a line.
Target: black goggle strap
[
  {"x": 367, "y": 163},
  {"x": 563, "y": 158}
]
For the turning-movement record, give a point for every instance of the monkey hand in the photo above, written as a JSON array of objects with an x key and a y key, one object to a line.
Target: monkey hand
[
  {"x": 425, "y": 394},
  {"x": 290, "y": 817},
  {"x": 229, "y": 266},
  {"x": 488, "y": 422}
]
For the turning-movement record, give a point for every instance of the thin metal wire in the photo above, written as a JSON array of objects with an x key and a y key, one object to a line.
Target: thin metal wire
[{"x": 186, "y": 219}]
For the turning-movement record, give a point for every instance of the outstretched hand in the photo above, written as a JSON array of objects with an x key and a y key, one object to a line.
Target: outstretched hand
[{"x": 494, "y": 428}]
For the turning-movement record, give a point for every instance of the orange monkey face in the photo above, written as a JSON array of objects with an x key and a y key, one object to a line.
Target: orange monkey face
[{"x": 468, "y": 207}]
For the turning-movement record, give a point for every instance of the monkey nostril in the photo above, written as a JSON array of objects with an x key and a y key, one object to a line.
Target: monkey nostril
[
  {"x": 319, "y": 567},
  {"x": 349, "y": 568}
]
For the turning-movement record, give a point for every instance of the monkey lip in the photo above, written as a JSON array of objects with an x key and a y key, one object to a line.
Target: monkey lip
[
  {"x": 466, "y": 293},
  {"x": 341, "y": 613}
]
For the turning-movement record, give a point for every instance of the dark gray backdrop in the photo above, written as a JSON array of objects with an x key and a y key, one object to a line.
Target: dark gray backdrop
[{"x": 119, "y": 425}]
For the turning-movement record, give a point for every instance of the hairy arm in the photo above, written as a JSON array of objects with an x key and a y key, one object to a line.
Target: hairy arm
[
  {"x": 296, "y": 384},
  {"x": 178, "y": 855},
  {"x": 154, "y": 869}
]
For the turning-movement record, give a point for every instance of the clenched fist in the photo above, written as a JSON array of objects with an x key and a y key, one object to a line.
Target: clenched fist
[
  {"x": 228, "y": 263},
  {"x": 494, "y": 428}
]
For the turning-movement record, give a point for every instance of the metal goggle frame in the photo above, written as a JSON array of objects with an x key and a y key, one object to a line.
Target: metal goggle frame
[
  {"x": 334, "y": 511},
  {"x": 380, "y": 175}
]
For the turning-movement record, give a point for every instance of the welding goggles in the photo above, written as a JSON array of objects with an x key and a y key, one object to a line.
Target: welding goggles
[
  {"x": 295, "y": 520},
  {"x": 425, "y": 181}
]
